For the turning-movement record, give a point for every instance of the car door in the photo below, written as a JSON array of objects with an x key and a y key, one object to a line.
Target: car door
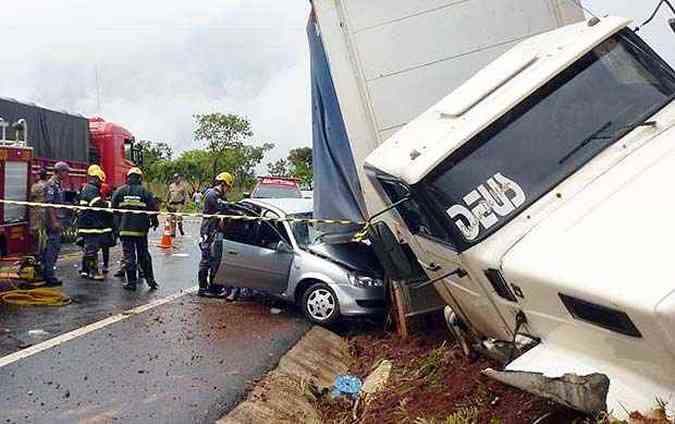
[
  {"x": 251, "y": 257},
  {"x": 235, "y": 250},
  {"x": 274, "y": 255}
]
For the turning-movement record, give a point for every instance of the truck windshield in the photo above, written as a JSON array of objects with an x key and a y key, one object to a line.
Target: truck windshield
[{"x": 547, "y": 137}]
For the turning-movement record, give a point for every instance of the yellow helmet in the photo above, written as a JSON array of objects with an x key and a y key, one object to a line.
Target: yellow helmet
[
  {"x": 225, "y": 177},
  {"x": 96, "y": 171},
  {"x": 135, "y": 171}
]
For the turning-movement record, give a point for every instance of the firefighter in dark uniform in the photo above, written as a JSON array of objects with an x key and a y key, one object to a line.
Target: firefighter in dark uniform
[
  {"x": 133, "y": 228},
  {"x": 215, "y": 202},
  {"x": 91, "y": 224},
  {"x": 55, "y": 222}
]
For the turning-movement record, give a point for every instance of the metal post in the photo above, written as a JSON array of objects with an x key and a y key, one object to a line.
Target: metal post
[{"x": 3, "y": 125}]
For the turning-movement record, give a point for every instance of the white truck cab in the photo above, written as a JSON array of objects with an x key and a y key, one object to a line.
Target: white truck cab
[{"x": 538, "y": 196}]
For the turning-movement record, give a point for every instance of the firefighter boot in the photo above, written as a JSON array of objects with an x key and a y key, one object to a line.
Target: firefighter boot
[
  {"x": 92, "y": 270},
  {"x": 84, "y": 270},
  {"x": 132, "y": 280}
]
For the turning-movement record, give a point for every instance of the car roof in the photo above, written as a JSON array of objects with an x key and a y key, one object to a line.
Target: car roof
[{"x": 289, "y": 206}]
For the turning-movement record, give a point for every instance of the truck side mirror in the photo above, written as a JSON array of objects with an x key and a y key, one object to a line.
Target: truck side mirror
[{"x": 393, "y": 258}]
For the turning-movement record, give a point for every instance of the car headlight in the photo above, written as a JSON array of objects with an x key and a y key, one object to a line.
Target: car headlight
[{"x": 363, "y": 281}]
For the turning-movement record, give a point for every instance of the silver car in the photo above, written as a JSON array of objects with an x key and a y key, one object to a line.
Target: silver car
[{"x": 289, "y": 261}]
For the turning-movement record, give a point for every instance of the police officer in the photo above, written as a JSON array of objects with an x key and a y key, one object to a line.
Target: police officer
[
  {"x": 56, "y": 220},
  {"x": 133, "y": 227},
  {"x": 177, "y": 198},
  {"x": 37, "y": 215},
  {"x": 215, "y": 202},
  {"x": 91, "y": 224}
]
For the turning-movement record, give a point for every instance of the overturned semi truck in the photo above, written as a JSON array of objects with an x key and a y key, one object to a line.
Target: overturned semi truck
[
  {"x": 536, "y": 194},
  {"x": 523, "y": 194}
]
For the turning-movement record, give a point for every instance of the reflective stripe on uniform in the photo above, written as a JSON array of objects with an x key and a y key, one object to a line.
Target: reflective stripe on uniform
[
  {"x": 130, "y": 233},
  {"x": 133, "y": 203},
  {"x": 93, "y": 201},
  {"x": 94, "y": 230}
]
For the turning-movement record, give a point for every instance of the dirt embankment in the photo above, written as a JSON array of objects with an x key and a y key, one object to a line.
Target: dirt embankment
[{"x": 432, "y": 382}]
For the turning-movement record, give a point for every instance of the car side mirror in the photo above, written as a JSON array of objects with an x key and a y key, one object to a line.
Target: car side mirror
[
  {"x": 283, "y": 247},
  {"x": 246, "y": 195}
]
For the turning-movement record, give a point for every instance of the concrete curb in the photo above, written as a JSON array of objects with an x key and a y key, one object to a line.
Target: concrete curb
[{"x": 282, "y": 396}]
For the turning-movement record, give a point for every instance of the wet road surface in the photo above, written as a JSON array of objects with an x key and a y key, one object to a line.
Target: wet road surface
[{"x": 189, "y": 360}]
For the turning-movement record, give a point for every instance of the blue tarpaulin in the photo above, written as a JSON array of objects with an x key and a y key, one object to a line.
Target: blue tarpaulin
[{"x": 337, "y": 190}]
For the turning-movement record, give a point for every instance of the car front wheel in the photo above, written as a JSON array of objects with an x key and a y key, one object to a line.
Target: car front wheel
[{"x": 320, "y": 304}]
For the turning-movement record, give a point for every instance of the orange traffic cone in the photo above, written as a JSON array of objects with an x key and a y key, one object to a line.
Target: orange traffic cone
[{"x": 167, "y": 241}]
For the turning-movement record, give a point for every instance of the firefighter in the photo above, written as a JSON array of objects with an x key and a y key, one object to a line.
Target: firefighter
[
  {"x": 215, "y": 202},
  {"x": 177, "y": 198},
  {"x": 55, "y": 223},
  {"x": 133, "y": 228},
  {"x": 37, "y": 215},
  {"x": 109, "y": 239},
  {"x": 91, "y": 224}
]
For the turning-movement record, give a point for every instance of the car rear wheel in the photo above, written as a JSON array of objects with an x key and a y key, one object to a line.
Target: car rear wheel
[{"x": 320, "y": 304}]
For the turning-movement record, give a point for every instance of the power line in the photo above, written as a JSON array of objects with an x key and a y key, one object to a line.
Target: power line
[{"x": 578, "y": 4}]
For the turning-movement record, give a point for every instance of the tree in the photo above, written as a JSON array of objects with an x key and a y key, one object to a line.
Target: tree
[
  {"x": 222, "y": 133},
  {"x": 279, "y": 168},
  {"x": 300, "y": 160},
  {"x": 242, "y": 162},
  {"x": 155, "y": 155}
]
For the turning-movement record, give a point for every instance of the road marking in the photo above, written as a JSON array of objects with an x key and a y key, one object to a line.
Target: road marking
[{"x": 59, "y": 340}]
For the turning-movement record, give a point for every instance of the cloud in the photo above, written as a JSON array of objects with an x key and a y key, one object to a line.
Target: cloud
[{"x": 153, "y": 64}]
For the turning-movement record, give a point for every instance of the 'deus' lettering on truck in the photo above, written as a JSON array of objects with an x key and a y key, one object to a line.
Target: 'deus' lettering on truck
[{"x": 497, "y": 198}]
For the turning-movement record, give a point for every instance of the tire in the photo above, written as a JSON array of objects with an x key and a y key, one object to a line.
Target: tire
[{"x": 320, "y": 304}]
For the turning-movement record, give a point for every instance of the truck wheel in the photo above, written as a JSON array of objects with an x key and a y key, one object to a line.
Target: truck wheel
[
  {"x": 320, "y": 305},
  {"x": 452, "y": 322}
]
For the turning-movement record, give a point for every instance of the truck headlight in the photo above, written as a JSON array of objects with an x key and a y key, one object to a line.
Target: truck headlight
[{"x": 363, "y": 281}]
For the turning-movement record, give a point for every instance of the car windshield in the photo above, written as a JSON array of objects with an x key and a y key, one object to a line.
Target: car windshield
[
  {"x": 305, "y": 233},
  {"x": 547, "y": 137},
  {"x": 276, "y": 192}
]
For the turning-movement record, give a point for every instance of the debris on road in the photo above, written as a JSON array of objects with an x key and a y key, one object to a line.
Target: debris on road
[
  {"x": 346, "y": 386},
  {"x": 38, "y": 333},
  {"x": 584, "y": 393},
  {"x": 377, "y": 380}
]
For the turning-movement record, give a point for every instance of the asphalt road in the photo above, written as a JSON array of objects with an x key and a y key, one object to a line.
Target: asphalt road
[{"x": 181, "y": 360}]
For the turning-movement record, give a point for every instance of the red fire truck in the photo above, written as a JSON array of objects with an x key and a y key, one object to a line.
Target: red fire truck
[{"x": 32, "y": 137}]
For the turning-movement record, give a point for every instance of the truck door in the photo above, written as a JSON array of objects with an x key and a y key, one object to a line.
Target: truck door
[{"x": 442, "y": 261}]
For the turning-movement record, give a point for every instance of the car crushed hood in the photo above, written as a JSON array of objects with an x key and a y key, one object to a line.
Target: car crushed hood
[{"x": 356, "y": 256}]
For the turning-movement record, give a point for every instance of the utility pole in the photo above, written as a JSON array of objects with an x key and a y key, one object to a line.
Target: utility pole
[{"x": 98, "y": 91}]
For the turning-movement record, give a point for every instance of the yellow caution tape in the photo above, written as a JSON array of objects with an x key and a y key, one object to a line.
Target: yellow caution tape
[
  {"x": 186, "y": 214},
  {"x": 35, "y": 297}
]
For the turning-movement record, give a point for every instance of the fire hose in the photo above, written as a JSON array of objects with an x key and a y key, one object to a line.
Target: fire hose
[{"x": 35, "y": 297}]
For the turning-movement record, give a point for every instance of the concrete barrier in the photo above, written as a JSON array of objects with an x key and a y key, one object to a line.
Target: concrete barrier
[{"x": 284, "y": 395}]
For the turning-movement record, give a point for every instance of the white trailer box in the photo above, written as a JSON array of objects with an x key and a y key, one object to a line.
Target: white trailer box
[{"x": 390, "y": 60}]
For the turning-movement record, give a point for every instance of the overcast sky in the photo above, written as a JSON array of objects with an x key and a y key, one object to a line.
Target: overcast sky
[{"x": 160, "y": 61}]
